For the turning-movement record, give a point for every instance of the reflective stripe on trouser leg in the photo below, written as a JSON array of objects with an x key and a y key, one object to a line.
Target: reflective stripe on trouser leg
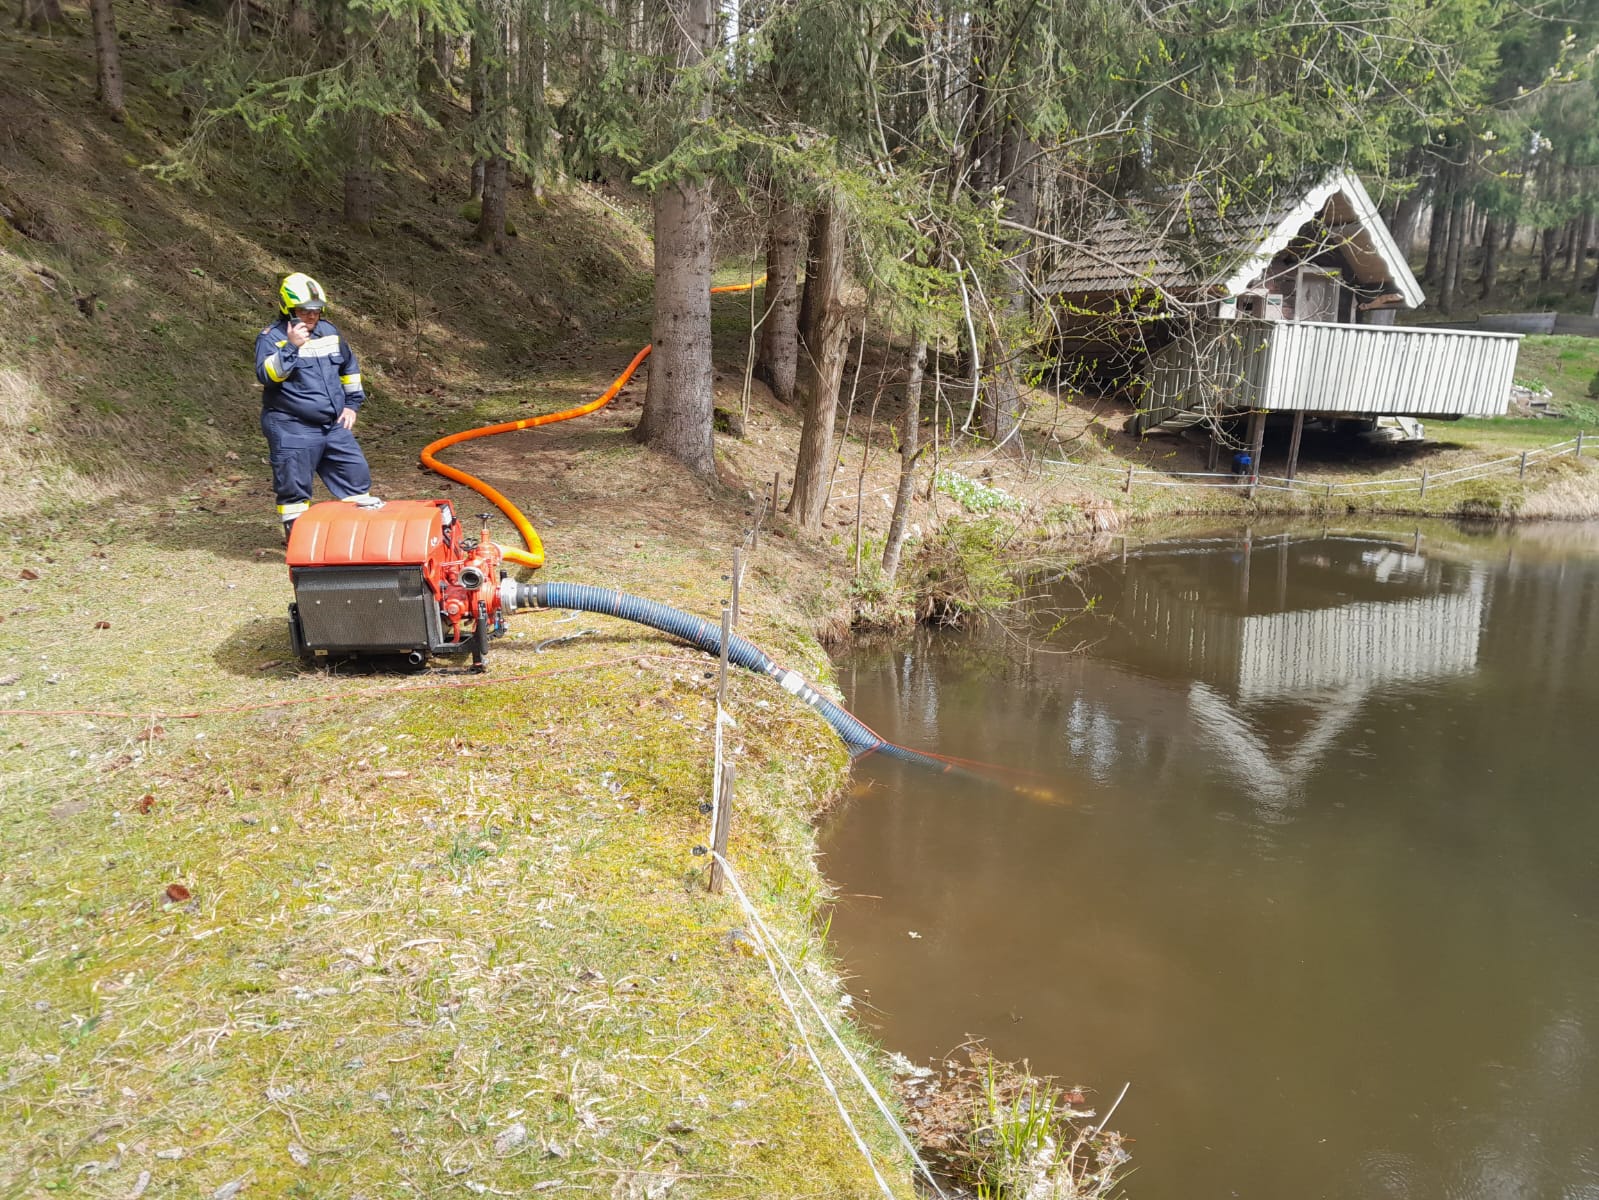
[
  {"x": 295, "y": 449},
  {"x": 289, "y": 511}
]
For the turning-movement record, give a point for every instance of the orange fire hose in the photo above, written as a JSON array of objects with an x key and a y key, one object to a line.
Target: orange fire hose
[{"x": 534, "y": 555}]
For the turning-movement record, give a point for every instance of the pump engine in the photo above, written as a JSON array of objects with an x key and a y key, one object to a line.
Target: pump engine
[{"x": 402, "y": 579}]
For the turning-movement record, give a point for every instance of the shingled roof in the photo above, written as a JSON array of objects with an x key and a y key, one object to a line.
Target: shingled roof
[{"x": 1184, "y": 241}]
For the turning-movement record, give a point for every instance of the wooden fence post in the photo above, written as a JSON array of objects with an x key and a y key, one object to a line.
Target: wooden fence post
[
  {"x": 1127, "y": 484},
  {"x": 1522, "y": 474},
  {"x": 776, "y": 475},
  {"x": 1423, "y": 483},
  {"x": 724, "y": 822},
  {"x": 1579, "y": 443},
  {"x": 738, "y": 570},
  {"x": 727, "y": 637}
]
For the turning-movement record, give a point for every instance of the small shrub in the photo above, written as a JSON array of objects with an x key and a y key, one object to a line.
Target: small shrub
[{"x": 962, "y": 572}]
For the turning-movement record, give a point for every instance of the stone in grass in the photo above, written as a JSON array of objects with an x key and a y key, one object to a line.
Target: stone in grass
[
  {"x": 510, "y": 1139},
  {"x": 228, "y": 1190},
  {"x": 300, "y": 1155}
]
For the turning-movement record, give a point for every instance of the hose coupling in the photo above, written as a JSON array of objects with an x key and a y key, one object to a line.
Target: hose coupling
[{"x": 515, "y": 596}]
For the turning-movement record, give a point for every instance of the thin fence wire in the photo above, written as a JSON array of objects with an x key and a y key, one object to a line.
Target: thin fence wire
[
  {"x": 1147, "y": 477},
  {"x": 767, "y": 941},
  {"x": 778, "y": 963}
]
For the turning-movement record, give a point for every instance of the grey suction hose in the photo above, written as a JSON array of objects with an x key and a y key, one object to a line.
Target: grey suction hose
[{"x": 699, "y": 632}]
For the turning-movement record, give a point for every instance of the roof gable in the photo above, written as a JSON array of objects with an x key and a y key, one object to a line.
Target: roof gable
[{"x": 1191, "y": 243}]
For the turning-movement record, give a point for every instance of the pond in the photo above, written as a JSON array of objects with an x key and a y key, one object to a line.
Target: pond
[{"x": 1294, "y": 830}]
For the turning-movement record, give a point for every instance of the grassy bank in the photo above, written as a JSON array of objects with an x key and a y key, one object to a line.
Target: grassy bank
[{"x": 344, "y": 934}]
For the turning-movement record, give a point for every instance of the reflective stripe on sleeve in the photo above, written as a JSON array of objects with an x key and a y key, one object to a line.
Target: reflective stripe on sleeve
[
  {"x": 352, "y": 383},
  {"x": 274, "y": 368}
]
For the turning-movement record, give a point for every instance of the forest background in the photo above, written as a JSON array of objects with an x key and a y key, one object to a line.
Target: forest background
[
  {"x": 328, "y": 1010},
  {"x": 926, "y": 163}
]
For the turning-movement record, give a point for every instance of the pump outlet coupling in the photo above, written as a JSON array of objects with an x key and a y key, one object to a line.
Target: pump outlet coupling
[{"x": 515, "y": 596}]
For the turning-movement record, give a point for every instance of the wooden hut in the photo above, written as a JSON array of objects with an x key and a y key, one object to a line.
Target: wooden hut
[{"x": 1234, "y": 310}]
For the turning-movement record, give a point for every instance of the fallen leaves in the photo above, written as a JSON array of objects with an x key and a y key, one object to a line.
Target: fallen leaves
[
  {"x": 146, "y": 804},
  {"x": 27, "y": 574},
  {"x": 177, "y": 893}
]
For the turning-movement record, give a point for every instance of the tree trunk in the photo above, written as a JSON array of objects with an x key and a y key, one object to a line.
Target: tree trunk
[
  {"x": 678, "y": 404},
  {"x": 823, "y": 372},
  {"x": 108, "y": 60},
  {"x": 533, "y": 80},
  {"x": 910, "y": 431},
  {"x": 1456, "y": 239},
  {"x": 40, "y": 15},
  {"x": 1490, "y": 257},
  {"x": 491, "y": 217},
  {"x": 1580, "y": 252},
  {"x": 1002, "y": 400},
  {"x": 491, "y": 117},
  {"x": 1436, "y": 233},
  {"x": 430, "y": 75},
  {"x": 443, "y": 56},
  {"x": 807, "y": 304},
  {"x": 1546, "y": 259},
  {"x": 358, "y": 175},
  {"x": 474, "y": 70},
  {"x": 778, "y": 357},
  {"x": 299, "y": 19}
]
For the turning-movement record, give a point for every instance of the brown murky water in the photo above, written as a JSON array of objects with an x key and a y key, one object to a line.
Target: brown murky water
[{"x": 1308, "y": 852}]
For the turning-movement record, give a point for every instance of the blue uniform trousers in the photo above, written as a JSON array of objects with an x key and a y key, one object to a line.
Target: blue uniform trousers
[{"x": 300, "y": 451}]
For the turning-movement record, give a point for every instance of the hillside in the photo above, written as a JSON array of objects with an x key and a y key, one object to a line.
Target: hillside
[
  {"x": 335, "y": 933},
  {"x": 142, "y": 297}
]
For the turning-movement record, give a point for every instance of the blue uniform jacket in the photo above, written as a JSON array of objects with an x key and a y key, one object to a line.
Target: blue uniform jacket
[{"x": 313, "y": 383}]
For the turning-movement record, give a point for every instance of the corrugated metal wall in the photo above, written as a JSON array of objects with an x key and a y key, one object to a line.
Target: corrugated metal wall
[{"x": 1319, "y": 367}]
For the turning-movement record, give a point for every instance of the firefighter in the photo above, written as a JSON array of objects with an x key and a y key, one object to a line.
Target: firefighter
[{"x": 310, "y": 394}]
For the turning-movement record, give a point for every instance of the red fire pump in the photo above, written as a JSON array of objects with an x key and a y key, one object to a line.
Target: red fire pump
[{"x": 400, "y": 579}]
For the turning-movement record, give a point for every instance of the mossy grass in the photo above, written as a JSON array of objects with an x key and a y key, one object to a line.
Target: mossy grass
[{"x": 416, "y": 913}]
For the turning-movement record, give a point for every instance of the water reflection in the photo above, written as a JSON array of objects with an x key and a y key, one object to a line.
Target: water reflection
[{"x": 1323, "y": 874}]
